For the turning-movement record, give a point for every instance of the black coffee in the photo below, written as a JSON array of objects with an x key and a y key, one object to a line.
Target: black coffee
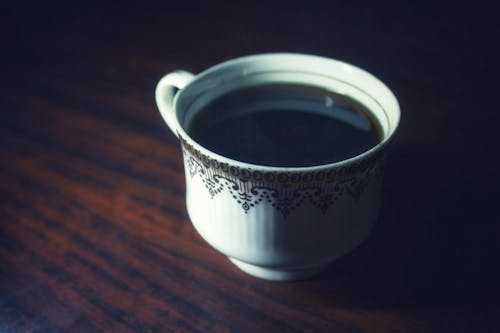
[{"x": 285, "y": 125}]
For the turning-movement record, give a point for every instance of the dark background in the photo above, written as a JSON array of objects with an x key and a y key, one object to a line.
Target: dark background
[{"x": 94, "y": 235}]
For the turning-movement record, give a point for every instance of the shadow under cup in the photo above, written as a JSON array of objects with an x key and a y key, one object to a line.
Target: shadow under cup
[{"x": 283, "y": 223}]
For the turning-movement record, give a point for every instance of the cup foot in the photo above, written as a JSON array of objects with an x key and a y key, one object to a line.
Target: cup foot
[{"x": 277, "y": 274}]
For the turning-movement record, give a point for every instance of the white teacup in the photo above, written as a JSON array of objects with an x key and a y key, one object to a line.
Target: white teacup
[{"x": 279, "y": 223}]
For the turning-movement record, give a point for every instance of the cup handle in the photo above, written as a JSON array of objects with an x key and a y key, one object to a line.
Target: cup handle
[{"x": 166, "y": 90}]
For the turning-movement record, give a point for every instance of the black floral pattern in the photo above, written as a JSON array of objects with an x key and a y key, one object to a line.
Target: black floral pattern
[{"x": 285, "y": 191}]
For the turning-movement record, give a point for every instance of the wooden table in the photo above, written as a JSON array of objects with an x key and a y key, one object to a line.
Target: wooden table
[{"x": 94, "y": 234}]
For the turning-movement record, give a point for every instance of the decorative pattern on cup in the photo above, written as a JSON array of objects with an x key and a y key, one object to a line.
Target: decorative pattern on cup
[{"x": 285, "y": 191}]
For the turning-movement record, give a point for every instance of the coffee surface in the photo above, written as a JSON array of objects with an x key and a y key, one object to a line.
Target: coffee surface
[{"x": 285, "y": 126}]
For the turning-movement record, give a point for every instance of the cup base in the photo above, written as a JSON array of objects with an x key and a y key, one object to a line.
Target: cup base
[{"x": 277, "y": 274}]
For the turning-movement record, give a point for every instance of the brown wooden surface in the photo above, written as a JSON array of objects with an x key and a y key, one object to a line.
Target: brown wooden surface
[{"x": 94, "y": 234}]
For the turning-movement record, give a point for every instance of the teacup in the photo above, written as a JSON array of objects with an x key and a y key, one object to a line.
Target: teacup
[{"x": 279, "y": 223}]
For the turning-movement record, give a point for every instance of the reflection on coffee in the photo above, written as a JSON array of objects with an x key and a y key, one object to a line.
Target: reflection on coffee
[{"x": 285, "y": 125}]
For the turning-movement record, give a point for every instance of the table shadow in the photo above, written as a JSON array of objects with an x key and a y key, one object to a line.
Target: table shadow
[{"x": 436, "y": 245}]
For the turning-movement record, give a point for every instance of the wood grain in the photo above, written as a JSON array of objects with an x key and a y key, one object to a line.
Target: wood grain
[{"x": 94, "y": 234}]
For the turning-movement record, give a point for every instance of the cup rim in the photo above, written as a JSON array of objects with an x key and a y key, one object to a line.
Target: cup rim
[{"x": 313, "y": 168}]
